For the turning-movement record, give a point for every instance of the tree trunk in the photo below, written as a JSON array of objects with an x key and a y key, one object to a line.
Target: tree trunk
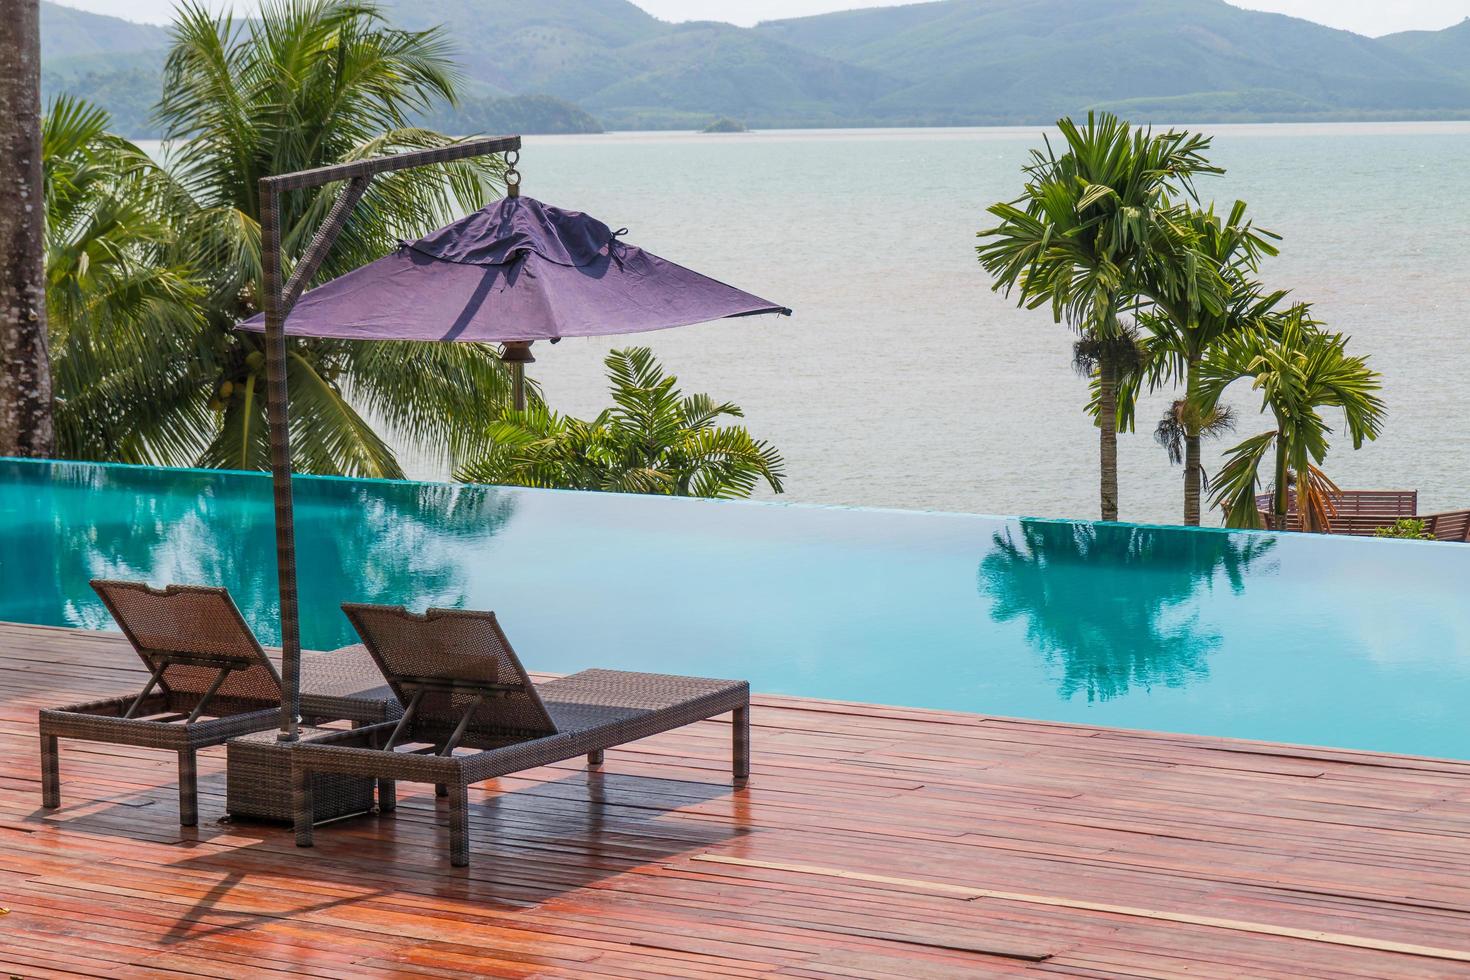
[
  {"x": 1193, "y": 469},
  {"x": 1281, "y": 499},
  {"x": 25, "y": 370},
  {"x": 1107, "y": 426}
]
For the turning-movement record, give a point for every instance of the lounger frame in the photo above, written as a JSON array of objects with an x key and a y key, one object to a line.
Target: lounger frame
[
  {"x": 591, "y": 712},
  {"x": 347, "y": 686}
]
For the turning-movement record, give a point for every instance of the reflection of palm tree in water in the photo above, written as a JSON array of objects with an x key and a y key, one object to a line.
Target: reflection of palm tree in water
[
  {"x": 357, "y": 540},
  {"x": 1110, "y": 603}
]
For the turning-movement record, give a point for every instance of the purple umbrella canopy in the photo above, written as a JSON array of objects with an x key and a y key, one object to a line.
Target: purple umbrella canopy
[{"x": 518, "y": 270}]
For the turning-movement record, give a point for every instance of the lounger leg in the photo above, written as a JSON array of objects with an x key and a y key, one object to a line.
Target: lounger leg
[
  {"x": 50, "y": 773},
  {"x": 387, "y": 796},
  {"x": 740, "y": 722},
  {"x": 594, "y": 759},
  {"x": 459, "y": 831},
  {"x": 302, "y": 805},
  {"x": 188, "y": 788}
]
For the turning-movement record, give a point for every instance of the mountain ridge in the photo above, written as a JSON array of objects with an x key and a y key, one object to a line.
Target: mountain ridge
[{"x": 946, "y": 62}]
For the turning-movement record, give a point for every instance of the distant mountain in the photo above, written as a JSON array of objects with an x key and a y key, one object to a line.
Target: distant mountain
[
  {"x": 1449, "y": 48},
  {"x": 953, "y": 62},
  {"x": 118, "y": 65},
  {"x": 73, "y": 33},
  {"x": 1031, "y": 60},
  {"x": 633, "y": 71}
]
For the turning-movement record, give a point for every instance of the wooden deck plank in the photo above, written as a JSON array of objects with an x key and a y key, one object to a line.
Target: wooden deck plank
[{"x": 871, "y": 842}]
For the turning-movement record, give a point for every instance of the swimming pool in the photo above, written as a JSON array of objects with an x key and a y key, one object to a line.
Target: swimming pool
[{"x": 1317, "y": 640}]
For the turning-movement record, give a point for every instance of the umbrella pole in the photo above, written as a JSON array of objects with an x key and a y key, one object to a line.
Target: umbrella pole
[
  {"x": 278, "y": 413},
  {"x": 276, "y": 302},
  {"x": 517, "y": 354}
]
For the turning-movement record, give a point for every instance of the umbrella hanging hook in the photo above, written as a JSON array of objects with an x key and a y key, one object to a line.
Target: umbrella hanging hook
[{"x": 512, "y": 175}]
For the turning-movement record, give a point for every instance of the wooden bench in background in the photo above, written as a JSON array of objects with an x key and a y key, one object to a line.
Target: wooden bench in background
[{"x": 1363, "y": 512}]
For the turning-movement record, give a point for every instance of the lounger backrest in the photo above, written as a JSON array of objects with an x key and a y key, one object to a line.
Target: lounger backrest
[
  {"x": 197, "y": 630},
  {"x": 451, "y": 660}
]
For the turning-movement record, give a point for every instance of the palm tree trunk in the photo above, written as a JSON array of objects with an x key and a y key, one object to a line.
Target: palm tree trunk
[
  {"x": 1280, "y": 502},
  {"x": 1107, "y": 425},
  {"x": 1193, "y": 469},
  {"x": 25, "y": 370}
]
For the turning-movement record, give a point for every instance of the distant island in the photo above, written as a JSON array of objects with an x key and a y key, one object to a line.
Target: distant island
[
  {"x": 726, "y": 125},
  {"x": 582, "y": 65}
]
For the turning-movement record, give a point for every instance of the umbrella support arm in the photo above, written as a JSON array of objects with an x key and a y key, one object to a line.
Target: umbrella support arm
[{"x": 278, "y": 300}]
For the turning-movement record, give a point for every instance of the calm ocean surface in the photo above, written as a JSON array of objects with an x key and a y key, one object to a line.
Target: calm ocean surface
[{"x": 903, "y": 381}]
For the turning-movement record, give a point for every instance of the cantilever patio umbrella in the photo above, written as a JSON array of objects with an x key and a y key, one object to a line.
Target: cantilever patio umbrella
[{"x": 513, "y": 273}]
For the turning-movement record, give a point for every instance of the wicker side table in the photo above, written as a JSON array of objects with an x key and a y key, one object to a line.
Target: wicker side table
[
  {"x": 340, "y": 685},
  {"x": 258, "y": 785}
]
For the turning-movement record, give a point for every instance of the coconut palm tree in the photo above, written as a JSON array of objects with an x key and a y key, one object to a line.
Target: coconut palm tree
[
  {"x": 309, "y": 83},
  {"x": 1180, "y": 329},
  {"x": 1299, "y": 368},
  {"x": 25, "y": 378},
  {"x": 124, "y": 315},
  {"x": 1079, "y": 237},
  {"x": 654, "y": 440}
]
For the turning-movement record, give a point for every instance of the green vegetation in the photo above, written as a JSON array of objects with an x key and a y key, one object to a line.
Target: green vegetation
[
  {"x": 726, "y": 125},
  {"x": 1096, "y": 226},
  {"x": 1182, "y": 326},
  {"x": 954, "y": 62},
  {"x": 126, "y": 310},
  {"x": 1299, "y": 368},
  {"x": 150, "y": 268},
  {"x": 514, "y": 114},
  {"x": 653, "y": 440},
  {"x": 1410, "y": 528},
  {"x": 1112, "y": 227}
]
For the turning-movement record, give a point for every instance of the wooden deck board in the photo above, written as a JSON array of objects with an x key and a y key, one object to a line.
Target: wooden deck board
[{"x": 871, "y": 842}]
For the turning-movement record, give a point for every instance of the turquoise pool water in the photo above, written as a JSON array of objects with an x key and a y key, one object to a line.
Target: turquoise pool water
[{"x": 1330, "y": 641}]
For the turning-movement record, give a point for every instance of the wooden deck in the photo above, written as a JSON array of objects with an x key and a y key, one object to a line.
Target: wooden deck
[{"x": 870, "y": 842}]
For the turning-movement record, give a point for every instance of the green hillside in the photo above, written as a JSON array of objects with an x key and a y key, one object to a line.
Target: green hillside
[
  {"x": 118, "y": 65},
  {"x": 633, "y": 71},
  {"x": 566, "y": 65},
  {"x": 71, "y": 33},
  {"x": 1030, "y": 60},
  {"x": 1449, "y": 48}
]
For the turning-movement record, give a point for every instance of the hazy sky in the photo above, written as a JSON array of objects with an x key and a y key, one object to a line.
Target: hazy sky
[{"x": 1372, "y": 17}]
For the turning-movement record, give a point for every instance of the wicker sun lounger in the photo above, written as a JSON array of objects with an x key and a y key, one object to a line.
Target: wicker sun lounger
[
  {"x": 209, "y": 681},
  {"x": 464, "y": 691}
]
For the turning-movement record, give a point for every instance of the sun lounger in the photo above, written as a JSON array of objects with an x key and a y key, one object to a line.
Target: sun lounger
[
  {"x": 209, "y": 681},
  {"x": 472, "y": 714}
]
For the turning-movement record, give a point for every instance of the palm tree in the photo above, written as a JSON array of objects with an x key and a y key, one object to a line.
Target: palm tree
[
  {"x": 25, "y": 376},
  {"x": 1181, "y": 329},
  {"x": 310, "y": 83},
  {"x": 1299, "y": 368},
  {"x": 1179, "y": 431},
  {"x": 655, "y": 440},
  {"x": 124, "y": 316},
  {"x": 1080, "y": 235}
]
